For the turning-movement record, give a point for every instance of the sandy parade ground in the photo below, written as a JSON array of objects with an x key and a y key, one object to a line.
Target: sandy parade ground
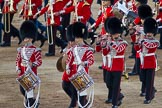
[{"x": 52, "y": 95}]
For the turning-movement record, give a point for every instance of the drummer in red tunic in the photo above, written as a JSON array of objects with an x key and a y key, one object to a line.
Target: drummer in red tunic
[
  {"x": 78, "y": 55},
  {"x": 28, "y": 55}
]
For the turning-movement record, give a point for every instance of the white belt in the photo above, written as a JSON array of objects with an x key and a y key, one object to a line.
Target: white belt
[
  {"x": 122, "y": 56},
  {"x": 144, "y": 55},
  {"x": 110, "y": 59},
  {"x": 149, "y": 54},
  {"x": 79, "y": 17}
]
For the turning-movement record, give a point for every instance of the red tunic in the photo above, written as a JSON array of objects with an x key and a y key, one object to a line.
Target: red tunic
[
  {"x": 147, "y": 55},
  {"x": 6, "y": 8},
  {"x": 57, "y": 6},
  {"x": 34, "y": 8},
  {"x": 86, "y": 55},
  {"x": 82, "y": 11},
  {"x": 159, "y": 16},
  {"x": 33, "y": 55},
  {"x": 115, "y": 53},
  {"x": 101, "y": 19}
]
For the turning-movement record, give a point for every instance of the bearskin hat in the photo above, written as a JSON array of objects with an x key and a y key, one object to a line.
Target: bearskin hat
[
  {"x": 113, "y": 25},
  {"x": 142, "y": 1},
  {"x": 69, "y": 34},
  {"x": 79, "y": 30},
  {"x": 144, "y": 11},
  {"x": 105, "y": 24},
  {"x": 150, "y": 26},
  {"x": 28, "y": 30}
]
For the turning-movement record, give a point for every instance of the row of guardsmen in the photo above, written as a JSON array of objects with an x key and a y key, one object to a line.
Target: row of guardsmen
[
  {"x": 61, "y": 17},
  {"x": 57, "y": 19}
]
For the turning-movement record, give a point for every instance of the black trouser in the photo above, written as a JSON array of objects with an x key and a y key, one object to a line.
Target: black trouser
[
  {"x": 138, "y": 70},
  {"x": 56, "y": 41},
  {"x": 65, "y": 22},
  {"x": 104, "y": 75},
  {"x": 71, "y": 92},
  {"x": 133, "y": 50},
  {"x": 22, "y": 91},
  {"x": 7, "y": 33},
  {"x": 30, "y": 100},
  {"x": 136, "y": 67},
  {"x": 148, "y": 81},
  {"x": 113, "y": 83},
  {"x": 106, "y": 78}
]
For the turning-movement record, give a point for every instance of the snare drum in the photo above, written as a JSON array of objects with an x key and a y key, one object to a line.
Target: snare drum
[
  {"x": 81, "y": 80},
  {"x": 28, "y": 80}
]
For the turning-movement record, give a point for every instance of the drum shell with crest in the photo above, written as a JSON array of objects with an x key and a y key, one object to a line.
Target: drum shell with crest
[{"x": 29, "y": 80}]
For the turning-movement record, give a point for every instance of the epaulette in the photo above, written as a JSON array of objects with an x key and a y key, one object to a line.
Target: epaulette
[
  {"x": 19, "y": 49},
  {"x": 86, "y": 4},
  {"x": 91, "y": 49},
  {"x": 123, "y": 41},
  {"x": 38, "y": 49},
  {"x": 155, "y": 40}
]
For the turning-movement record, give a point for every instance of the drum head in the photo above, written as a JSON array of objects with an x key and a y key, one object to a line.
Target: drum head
[{"x": 61, "y": 64}]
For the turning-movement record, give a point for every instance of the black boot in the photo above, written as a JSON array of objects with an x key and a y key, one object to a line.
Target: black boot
[
  {"x": 6, "y": 40},
  {"x": 5, "y": 44},
  {"x": 132, "y": 73},
  {"x": 114, "y": 106},
  {"x": 51, "y": 50},
  {"x": 108, "y": 101}
]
